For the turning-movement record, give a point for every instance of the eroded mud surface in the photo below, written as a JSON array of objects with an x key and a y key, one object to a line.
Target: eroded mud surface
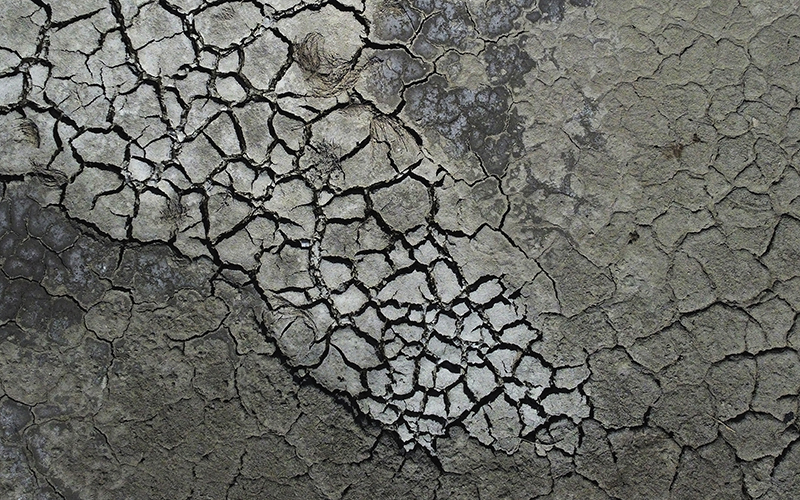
[{"x": 399, "y": 249}]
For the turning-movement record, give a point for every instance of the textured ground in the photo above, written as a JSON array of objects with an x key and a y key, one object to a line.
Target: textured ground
[{"x": 422, "y": 249}]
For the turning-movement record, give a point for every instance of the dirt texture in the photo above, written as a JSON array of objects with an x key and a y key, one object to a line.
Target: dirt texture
[{"x": 426, "y": 249}]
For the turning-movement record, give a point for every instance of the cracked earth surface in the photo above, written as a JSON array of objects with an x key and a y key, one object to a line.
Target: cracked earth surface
[{"x": 399, "y": 248}]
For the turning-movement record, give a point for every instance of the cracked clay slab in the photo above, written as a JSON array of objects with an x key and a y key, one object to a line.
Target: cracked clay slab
[{"x": 417, "y": 248}]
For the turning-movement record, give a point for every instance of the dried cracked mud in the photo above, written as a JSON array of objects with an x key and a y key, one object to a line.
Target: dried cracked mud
[{"x": 426, "y": 249}]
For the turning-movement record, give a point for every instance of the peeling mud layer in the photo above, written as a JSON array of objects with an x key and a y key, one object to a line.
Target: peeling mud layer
[{"x": 427, "y": 249}]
